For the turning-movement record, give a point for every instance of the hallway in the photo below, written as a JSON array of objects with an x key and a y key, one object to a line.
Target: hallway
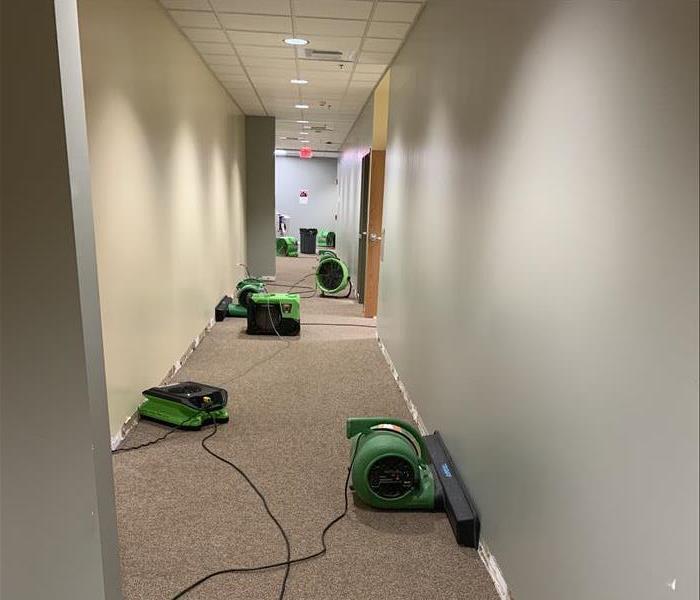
[
  {"x": 182, "y": 514},
  {"x": 512, "y": 190}
]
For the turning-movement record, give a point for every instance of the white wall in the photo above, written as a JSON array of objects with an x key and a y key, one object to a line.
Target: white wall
[
  {"x": 167, "y": 164},
  {"x": 59, "y": 534},
  {"x": 356, "y": 146},
  {"x": 541, "y": 216},
  {"x": 318, "y": 176},
  {"x": 260, "y": 195}
]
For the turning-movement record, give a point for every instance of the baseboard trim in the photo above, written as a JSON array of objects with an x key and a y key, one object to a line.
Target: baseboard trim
[
  {"x": 409, "y": 403},
  {"x": 494, "y": 571},
  {"x": 485, "y": 555},
  {"x": 132, "y": 420}
]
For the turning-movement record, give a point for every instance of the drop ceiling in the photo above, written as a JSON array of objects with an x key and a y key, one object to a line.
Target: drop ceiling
[{"x": 242, "y": 42}]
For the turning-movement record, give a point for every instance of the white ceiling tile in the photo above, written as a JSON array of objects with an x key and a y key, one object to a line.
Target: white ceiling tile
[
  {"x": 289, "y": 113},
  {"x": 366, "y": 68},
  {"x": 337, "y": 9},
  {"x": 265, "y": 80},
  {"x": 186, "y": 4},
  {"x": 323, "y": 65},
  {"x": 343, "y": 44},
  {"x": 274, "y": 63},
  {"x": 241, "y": 22},
  {"x": 263, "y": 74},
  {"x": 259, "y": 7},
  {"x": 375, "y": 58},
  {"x": 245, "y": 95},
  {"x": 242, "y": 93},
  {"x": 214, "y": 48},
  {"x": 227, "y": 69},
  {"x": 234, "y": 80},
  {"x": 329, "y": 26},
  {"x": 357, "y": 93},
  {"x": 258, "y": 39},
  {"x": 363, "y": 80},
  {"x": 221, "y": 59},
  {"x": 197, "y": 34},
  {"x": 396, "y": 11},
  {"x": 381, "y": 45},
  {"x": 388, "y": 30},
  {"x": 265, "y": 51},
  {"x": 192, "y": 18}
]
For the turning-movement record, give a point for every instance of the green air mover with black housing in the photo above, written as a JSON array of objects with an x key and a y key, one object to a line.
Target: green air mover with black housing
[
  {"x": 228, "y": 308},
  {"x": 274, "y": 314},
  {"x": 325, "y": 238},
  {"x": 287, "y": 246},
  {"x": 188, "y": 404},
  {"x": 244, "y": 289},
  {"x": 332, "y": 275},
  {"x": 394, "y": 467}
]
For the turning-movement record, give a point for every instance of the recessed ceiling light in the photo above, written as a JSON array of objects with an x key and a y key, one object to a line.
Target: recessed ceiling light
[
  {"x": 302, "y": 121},
  {"x": 299, "y": 81},
  {"x": 296, "y": 42},
  {"x": 301, "y": 106}
]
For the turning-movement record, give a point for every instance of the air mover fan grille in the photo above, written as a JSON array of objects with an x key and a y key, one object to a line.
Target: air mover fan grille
[
  {"x": 244, "y": 297},
  {"x": 268, "y": 317},
  {"x": 391, "y": 477},
  {"x": 330, "y": 274}
]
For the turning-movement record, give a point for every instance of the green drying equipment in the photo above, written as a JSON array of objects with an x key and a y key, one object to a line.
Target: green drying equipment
[
  {"x": 274, "y": 314},
  {"x": 188, "y": 405},
  {"x": 332, "y": 275},
  {"x": 395, "y": 467},
  {"x": 325, "y": 238},
  {"x": 245, "y": 288},
  {"x": 287, "y": 246}
]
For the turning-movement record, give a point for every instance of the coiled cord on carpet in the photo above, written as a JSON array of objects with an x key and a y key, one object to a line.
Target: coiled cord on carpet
[{"x": 290, "y": 561}]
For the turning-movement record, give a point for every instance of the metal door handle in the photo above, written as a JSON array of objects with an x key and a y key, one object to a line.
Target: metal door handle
[{"x": 373, "y": 237}]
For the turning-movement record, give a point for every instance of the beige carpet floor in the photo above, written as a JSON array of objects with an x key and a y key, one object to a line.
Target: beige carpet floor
[{"x": 182, "y": 514}]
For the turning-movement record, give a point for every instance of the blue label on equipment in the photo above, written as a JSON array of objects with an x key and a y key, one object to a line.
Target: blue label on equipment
[{"x": 446, "y": 470}]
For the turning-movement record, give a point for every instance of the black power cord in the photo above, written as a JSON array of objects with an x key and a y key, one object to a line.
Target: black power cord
[
  {"x": 290, "y": 561},
  {"x": 260, "y": 495},
  {"x": 158, "y": 439}
]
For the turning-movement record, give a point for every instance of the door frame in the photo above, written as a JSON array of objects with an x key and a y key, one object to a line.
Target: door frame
[{"x": 362, "y": 227}]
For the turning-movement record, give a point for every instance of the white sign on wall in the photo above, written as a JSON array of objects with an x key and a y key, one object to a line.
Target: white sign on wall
[{"x": 303, "y": 196}]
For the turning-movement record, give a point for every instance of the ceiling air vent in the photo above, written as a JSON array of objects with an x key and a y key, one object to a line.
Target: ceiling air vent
[{"x": 329, "y": 55}]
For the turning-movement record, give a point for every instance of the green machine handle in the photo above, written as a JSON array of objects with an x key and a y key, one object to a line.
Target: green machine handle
[{"x": 357, "y": 425}]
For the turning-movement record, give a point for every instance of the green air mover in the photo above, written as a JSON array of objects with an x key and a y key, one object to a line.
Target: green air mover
[
  {"x": 228, "y": 308},
  {"x": 287, "y": 246},
  {"x": 332, "y": 275},
  {"x": 188, "y": 404},
  {"x": 274, "y": 314},
  {"x": 394, "y": 467},
  {"x": 325, "y": 238},
  {"x": 244, "y": 289}
]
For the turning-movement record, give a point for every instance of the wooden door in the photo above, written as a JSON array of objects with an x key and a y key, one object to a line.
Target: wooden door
[{"x": 374, "y": 232}]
